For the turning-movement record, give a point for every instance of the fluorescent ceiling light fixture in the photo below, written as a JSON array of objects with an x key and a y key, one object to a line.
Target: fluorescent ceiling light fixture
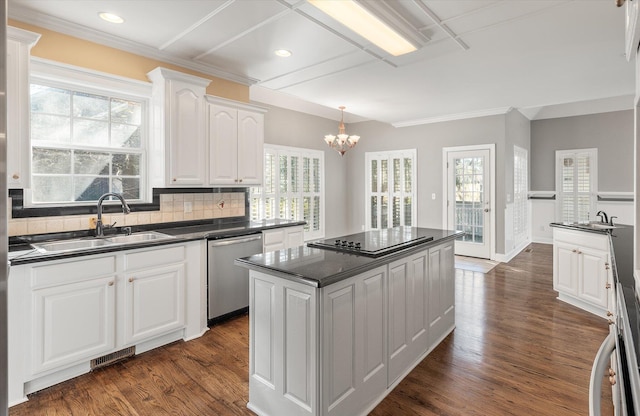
[
  {"x": 365, "y": 24},
  {"x": 110, "y": 17},
  {"x": 283, "y": 53}
]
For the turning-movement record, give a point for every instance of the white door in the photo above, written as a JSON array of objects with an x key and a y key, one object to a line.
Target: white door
[{"x": 469, "y": 200}]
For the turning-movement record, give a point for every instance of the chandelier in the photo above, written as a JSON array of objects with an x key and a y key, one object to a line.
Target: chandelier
[{"x": 342, "y": 142}]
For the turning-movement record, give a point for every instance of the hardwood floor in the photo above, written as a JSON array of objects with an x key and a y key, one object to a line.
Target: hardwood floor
[{"x": 516, "y": 350}]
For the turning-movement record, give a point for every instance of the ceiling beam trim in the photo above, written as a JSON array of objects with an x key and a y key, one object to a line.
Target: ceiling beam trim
[{"x": 441, "y": 25}]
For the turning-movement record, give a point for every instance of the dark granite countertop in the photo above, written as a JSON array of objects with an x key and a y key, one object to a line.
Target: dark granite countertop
[
  {"x": 20, "y": 251},
  {"x": 318, "y": 267}
]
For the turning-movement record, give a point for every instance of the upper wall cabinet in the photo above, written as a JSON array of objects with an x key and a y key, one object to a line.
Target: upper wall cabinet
[
  {"x": 178, "y": 129},
  {"x": 19, "y": 44},
  {"x": 236, "y": 141}
]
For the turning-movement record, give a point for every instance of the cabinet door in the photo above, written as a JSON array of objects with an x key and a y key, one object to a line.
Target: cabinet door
[
  {"x": 565, "y": 268},
  {"x": 154, "y": 302},
  {"x": 273, "y": 240},
  {"x": 441, "y": 302},
  {"x": 19, "y": 43},
  {"x": 592, "y": 284},
  {"x": 73, "y": 322},
  {"x": 295, "y": 237},
  {"x": 223, "y": 144},
  {"x": 186, "y": 153},
  {"x": 408, "y": 316},
  {"x": 354, "y": 343},
  {"x": 250, "y": 147}
]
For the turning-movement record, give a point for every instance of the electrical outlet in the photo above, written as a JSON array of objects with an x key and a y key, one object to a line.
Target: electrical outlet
[
  {"x": 92, "y": 222},
  {"x": 188, "y": 207}
]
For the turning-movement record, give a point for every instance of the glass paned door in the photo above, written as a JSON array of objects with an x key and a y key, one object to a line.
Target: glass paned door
[{"x": 468, "y": 202}]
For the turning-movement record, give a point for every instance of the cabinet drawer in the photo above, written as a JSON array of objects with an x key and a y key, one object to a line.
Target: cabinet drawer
[
  {"x": 273, "y": 237},
  {"x": 155, "y": 257},
  {"x": 582, "y": 238},
  {"x": 72, "y": 271}
]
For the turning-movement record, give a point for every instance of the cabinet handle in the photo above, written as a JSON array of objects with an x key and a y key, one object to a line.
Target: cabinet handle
[
  {"x": 609, "y": 313},
  {"x": 609, "y": 321},
  {"x": 111, "y": 283},
  {"x": 611, "y": 372},
  {"x": 612, "y": 380},
  {"x": 131, "y": 279},
  {"x": 236, "y": 181},
  {"x": 240, "y": 181},
  {"x": 574, "y": 250},
  {"x": 15, "y": 176},
  {"x": 607, "y": 286},
  {"x": 579, "y": 252},
  {"x": 174, "y": 179}
]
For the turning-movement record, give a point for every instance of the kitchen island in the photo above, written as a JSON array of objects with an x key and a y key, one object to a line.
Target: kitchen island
[{"x": 333, "y": 330}]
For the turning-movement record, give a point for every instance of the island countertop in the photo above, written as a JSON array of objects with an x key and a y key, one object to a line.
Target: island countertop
[{"x": 320, "y": 267}]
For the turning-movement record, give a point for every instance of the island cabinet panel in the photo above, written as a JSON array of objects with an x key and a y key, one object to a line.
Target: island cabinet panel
[
  {"x": 354, "y": 343},
  {"x": 408, "y": 300},
  {"x": 441, "y": 292},
  {"x": 282, "y": 346}
]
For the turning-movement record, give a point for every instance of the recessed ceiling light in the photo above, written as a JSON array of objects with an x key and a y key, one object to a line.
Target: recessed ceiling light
[
  {"x": 110, "y": 17},
  {"x": 283, "y": 53}
]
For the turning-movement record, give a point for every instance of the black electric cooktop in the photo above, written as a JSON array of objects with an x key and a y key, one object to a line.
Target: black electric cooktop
[{"x": 374, "y": 243}]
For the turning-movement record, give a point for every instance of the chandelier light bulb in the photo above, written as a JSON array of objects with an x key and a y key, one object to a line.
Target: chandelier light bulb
[{"x": 342, "y": 141}]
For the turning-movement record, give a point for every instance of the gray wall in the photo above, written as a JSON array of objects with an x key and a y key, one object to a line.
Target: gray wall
[
  {"x": 291, "y": 128},
  {"x": 611, "y": 133},
  {"x": 429, "y": 140}
]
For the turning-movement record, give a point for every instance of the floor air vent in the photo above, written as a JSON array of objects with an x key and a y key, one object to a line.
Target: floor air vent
[{"x": 109, "y": 359}]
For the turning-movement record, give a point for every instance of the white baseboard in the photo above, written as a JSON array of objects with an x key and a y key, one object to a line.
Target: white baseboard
[
  {"x": 505, "y": 258},
  {"x": 543, "y": 240}
]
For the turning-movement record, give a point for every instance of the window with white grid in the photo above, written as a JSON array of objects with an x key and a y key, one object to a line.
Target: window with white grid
[
  {"x": 520, "y": 194},
  {"x": 391, "y": 189},
  {"x": 576, "y": 184},
  {"x": 293, "y": 188}
]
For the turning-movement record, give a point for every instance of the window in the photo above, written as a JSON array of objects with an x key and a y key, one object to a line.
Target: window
[
  {"x": 85, "y": 141},
  {"x": 576, "y": 184},
  {"x": 293, "y": 188},
  {"x": 391, "y": 189},
  {"x": 520, "y": 194}
]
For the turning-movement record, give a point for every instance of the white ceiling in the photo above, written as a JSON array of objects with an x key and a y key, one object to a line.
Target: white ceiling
[{"x": 546, "y": 58}]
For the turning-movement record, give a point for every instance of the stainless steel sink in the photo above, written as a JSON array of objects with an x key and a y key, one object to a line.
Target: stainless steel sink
[
  {"x": 87, "y": 243},
  {"x": 69, "y": 245},
  {"x": 138, "y": 237}
]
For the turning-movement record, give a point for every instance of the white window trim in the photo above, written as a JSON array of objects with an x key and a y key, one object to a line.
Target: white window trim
[
  {"x": 369, "y": 156},
  {"x": 520, "y": 200},
  {"x": 303, "y": 152},
  {"x": 56, "y": 74},
  {"x": 593, "y": 179}
]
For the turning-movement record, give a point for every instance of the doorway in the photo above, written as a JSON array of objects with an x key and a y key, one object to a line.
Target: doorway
[{"x": 469, "y": 195}]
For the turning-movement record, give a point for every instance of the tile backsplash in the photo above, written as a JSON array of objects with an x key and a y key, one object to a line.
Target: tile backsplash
[{"x": 173, "y": 207}]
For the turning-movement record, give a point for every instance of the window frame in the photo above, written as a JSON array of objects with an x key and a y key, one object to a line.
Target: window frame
[
  {"x": 68, "y": 77},
  {"x": 592, "y": 153},
  {"x": 280, "y": 150},
  {"x": 389, "y": 156}
]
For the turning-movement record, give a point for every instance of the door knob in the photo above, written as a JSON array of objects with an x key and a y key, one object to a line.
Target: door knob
[{"x": 486, "y": 210}]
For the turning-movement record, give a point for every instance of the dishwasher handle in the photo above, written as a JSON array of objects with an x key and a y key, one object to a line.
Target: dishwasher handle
[{"x": 235, "y": 240}]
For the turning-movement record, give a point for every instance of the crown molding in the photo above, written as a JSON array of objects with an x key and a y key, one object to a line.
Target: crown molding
[
  {"x": 82, "y": 32},
  {"x": 453, "y": 117}
]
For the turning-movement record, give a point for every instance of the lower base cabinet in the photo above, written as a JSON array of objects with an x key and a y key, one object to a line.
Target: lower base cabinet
[
  {"x": 84, "y": 308},
  {"x": 340, "y": 349}
]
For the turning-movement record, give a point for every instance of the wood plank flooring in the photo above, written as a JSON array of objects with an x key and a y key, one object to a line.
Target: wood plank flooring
[{"x": 516, "y": 350}]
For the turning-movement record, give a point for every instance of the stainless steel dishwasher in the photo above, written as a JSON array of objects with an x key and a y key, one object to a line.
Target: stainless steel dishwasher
[{"x": 228, "y": 284}]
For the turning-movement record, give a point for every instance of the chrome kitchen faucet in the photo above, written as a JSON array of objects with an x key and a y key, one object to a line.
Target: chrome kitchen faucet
[{"x": 125, "y": 210}]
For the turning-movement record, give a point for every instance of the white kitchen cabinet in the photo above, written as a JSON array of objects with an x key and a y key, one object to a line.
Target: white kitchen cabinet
[
  {"x": 441, "y": 292},
  {"x": 74, "y": 310},
  {"x": 19, "y": 44},
  {"x": 154, "y": 296},
  {"x": 236, "y": 141},
  {"x": 354, "y": 346},
  {"x": 73, "y": 322},
  {"x": 581, "y": 269},
  {"x": 282, "y": 238},
  {"x": 178, "y": 151},
  {"x": 408, "y": 312}
]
